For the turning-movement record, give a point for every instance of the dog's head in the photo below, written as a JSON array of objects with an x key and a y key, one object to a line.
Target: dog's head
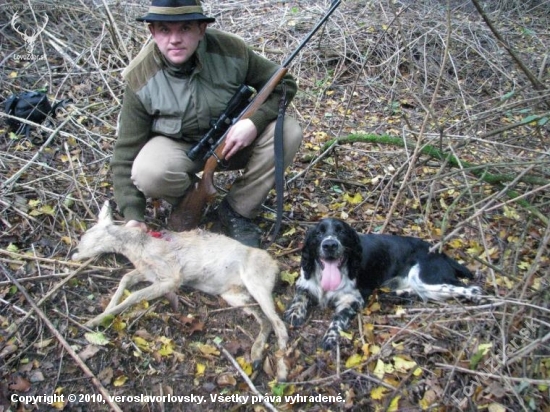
[{"x": 333, "y": 245}]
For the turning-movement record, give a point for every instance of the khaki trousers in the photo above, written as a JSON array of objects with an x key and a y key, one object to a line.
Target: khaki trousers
[{"x": 163, "y": 170}]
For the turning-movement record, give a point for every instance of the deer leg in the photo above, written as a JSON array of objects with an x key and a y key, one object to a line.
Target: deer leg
[
  {"x": 151, "y": 292},
  {"x": 239, "y": 297},
  {"x": 262, "y": 294},
  {"x": 127, "y": 281}
]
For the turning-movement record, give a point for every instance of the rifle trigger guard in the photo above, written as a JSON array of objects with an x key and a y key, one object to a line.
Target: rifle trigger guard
[{"x": 222, "y": 163}]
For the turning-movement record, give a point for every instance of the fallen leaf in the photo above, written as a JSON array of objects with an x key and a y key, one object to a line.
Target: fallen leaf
[
  {"x": 403, "y": 365},
  {"x": 88, "y": 352},
  {"x": 59, "y": 405},
  {"x": 346, "y": 335},
  {"x": 482, "y": 350},
  {"x": 394, "y": 404},
  {"x": 36, "y": 376},
  {"x": 428, "y": 399},
  {"x": 120, "y": 381},
  {"x": 118, "y": 325},
  {"x": 379, "y": 369},
  {"x": 496, "y": 407},
  {"x": 8, "y": 350},
  {"x": 199, "y": 369},
  {"x": 354, "y": 360},
  {"x": 234, "y": 347},
  {"x": 353, "y": 200},
  {"x": 400, "y": 311},
  {"x": 167, "y": 347},
  {"x": 289, "y": 232},
  {"x": 142, "y": 344},
  {"x": 246, "y": 366},
  {"x": 289, "y": 277},
  {"x": 226, "y": 379},
  {"x": 144, "y": 334},
  {"x": 106, "y": 375},
  {"x": 378, "y": 393},
  {"x": 20, "y": 384},
  {"x": 96, "y": 338},
  {"x": 208, "y": 349}
]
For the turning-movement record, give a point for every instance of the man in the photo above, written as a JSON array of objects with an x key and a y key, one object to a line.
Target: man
[{"x": 176, "y": 86}]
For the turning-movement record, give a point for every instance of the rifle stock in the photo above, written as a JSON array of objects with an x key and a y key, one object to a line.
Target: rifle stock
[{"x": 188, "y": 212}]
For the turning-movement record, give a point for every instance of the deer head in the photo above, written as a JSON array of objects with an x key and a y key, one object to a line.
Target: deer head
[
  {"x": 30, "y": 40},
  {"x": 98, "y": 239}
]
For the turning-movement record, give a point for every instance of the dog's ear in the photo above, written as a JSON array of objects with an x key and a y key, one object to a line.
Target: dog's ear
[
  {"x": 355, "y": 251},
  {"x": 309, "y": 253}
]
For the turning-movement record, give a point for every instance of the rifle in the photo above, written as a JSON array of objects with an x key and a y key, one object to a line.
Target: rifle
[
  {"x": 191, "y": 207},
  {"x": 211, "y": 140}
]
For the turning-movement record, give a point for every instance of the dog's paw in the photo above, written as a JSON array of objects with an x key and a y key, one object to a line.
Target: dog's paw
[
  {"x": 295, "y": 316},
  {"x": 474, "y": 293},
  {"x": 330, "y": 340}
]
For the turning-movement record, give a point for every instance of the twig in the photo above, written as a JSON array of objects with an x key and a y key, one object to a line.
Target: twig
[
  {"x": 418, "y": 147},
  {"x": 250, "y": 384},
  {"x": 523, "y": 352},
  {"x": 53, "y": 261},
  {"x": 50, "y": 293},
  {"x": 77, "y": 186},
  {"x": 65, "y": 344},
  {"x": 532, "y": 78},
  {"x": 16, "y": 308},
  {"x": 535, "y": 264},
  {"x": 493, "y": 376},
  {"x": 39, "y": 152},
  {"x": 117, "y": 38},
  {"x": 455, "y": 162}
]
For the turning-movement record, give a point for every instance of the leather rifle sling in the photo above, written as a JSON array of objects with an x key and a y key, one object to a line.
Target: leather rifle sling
[{"x": 279, "y": 165}]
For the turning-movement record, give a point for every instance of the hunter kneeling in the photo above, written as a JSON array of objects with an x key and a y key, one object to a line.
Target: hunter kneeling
[{"x": 177, "y": 85}]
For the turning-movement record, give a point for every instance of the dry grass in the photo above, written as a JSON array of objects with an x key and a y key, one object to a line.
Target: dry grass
[{"x": 425, "y": 76}]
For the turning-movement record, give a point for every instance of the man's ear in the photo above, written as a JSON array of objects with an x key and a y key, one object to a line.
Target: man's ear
[
  {"x": 151, "y": 27},
  {"x": 202, "y": 28}
]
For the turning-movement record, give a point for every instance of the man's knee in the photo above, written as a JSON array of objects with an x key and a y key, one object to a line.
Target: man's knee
[
  {"x": 149, "y": 178},
  {"x": 292, "y": 137},
  {"x": 158, "y": 182}
]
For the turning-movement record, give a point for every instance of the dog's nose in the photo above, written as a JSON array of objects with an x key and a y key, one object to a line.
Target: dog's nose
[{"x": 329, "y": 245}]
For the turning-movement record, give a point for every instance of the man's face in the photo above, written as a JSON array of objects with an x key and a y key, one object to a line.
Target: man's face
[{"x": 177, "y": 41}]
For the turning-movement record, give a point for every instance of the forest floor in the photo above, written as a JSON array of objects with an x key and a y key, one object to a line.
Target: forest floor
[{"x": 418, "y": 119}]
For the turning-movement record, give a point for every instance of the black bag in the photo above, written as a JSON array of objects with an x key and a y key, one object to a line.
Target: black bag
[{"x": 33, "y": 106}]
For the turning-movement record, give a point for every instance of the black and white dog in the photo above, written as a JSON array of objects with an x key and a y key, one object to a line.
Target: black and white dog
[{"x": 342, "y": 268}]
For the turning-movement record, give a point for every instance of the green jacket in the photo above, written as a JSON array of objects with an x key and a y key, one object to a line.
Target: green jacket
[{"x": 178, "y": 103}]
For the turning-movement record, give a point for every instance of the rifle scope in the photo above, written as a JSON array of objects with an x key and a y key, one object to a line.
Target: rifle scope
[{"x": 236, "y": 105}]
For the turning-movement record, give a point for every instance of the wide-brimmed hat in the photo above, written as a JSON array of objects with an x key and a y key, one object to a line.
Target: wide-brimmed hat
[{"x": 176, "y": 10}]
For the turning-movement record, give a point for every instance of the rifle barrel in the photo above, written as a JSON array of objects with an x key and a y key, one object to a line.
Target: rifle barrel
[
  {"x": 263, "y": 93},
  {"x": 333, "y": 7}
]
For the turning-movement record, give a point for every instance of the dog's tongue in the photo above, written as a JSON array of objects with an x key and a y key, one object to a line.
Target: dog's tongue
[{"x": 331, "y": 275}]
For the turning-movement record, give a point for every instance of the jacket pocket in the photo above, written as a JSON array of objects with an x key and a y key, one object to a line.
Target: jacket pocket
[{"x": 167, "y": 125}]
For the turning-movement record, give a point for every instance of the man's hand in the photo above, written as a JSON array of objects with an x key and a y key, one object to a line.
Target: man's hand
[
  {"x": 137, "y": 224},
  {"x": 241, "y": 135}
]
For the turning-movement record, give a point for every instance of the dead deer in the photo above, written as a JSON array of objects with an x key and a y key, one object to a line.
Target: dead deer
[{"x": 208, "y": 262}]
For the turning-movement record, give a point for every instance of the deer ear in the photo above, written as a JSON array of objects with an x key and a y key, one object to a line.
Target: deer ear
[{"x": 105, "y": 215}]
